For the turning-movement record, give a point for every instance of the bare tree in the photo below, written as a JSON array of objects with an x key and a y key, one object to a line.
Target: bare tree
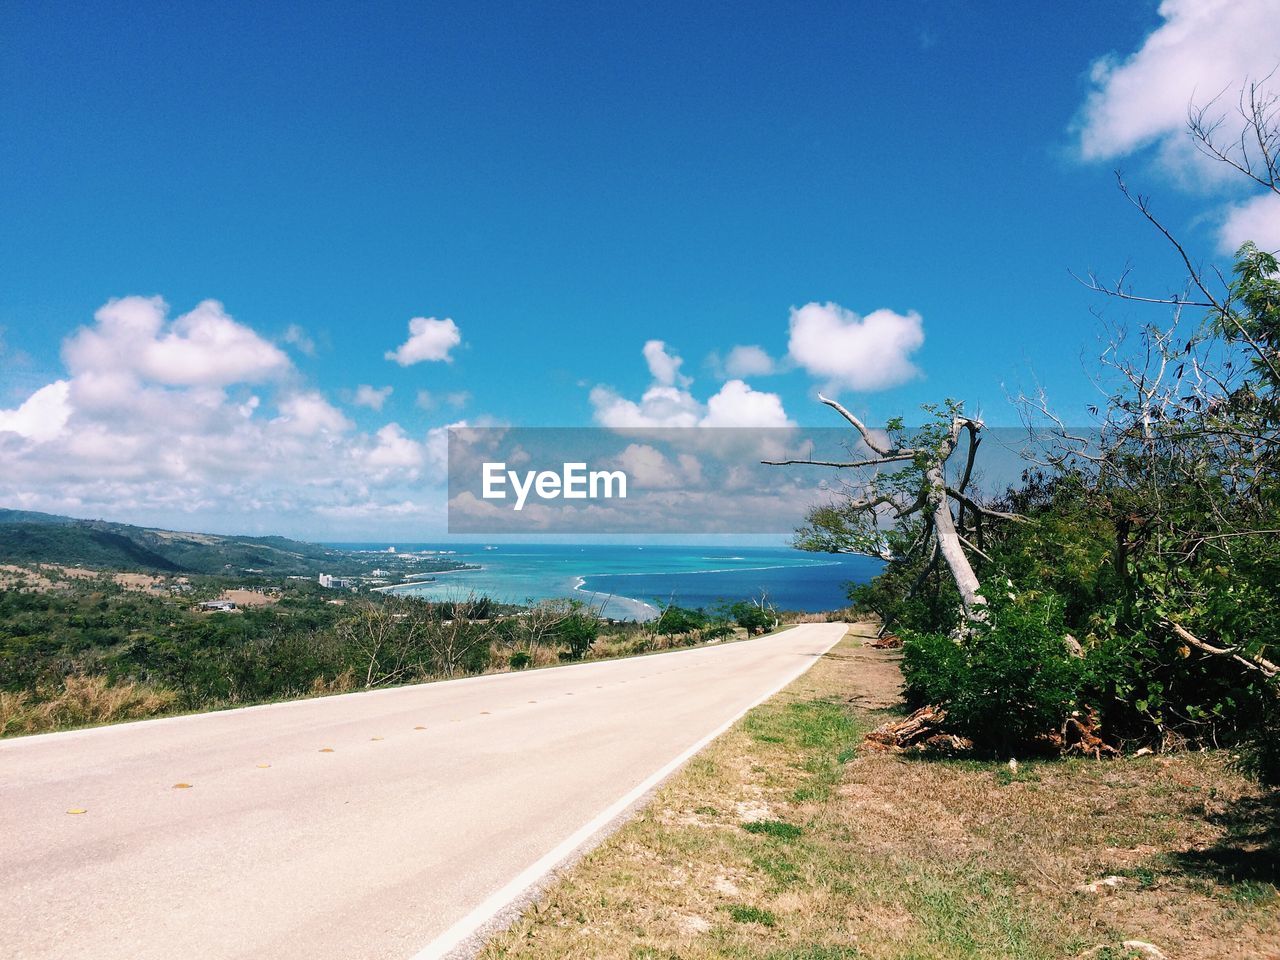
[
  {"x": 386, "y": 638},
  {"x": 455, "y": 633},
  {"x": 1186, "y": 444},
  {"x": 904, "y": 486}
]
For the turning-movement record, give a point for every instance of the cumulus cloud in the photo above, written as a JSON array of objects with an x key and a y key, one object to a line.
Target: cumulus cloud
[
  {"x": 201, "y": 422},
  {"x": 847, "y": 350},
  {"x": 42, "y": 416},
  {"x": 1202, "y": 48},
  {"x": 664, "y": 367},
  {"x": 1200, "y": 56},
  {"x": 371, "y": 397},
  {"x": 659, "y": 406},
  {"x": 1257, "y": 219},
  {"x": 205, "y": 347},
  {"x": 649, "y": 467},
  {"x": 309, "y": 413},
  {"x": 737, "y": 405},
  {"x": 749, "y": 361},
  {"x": 668, "y": 402},
  {"x": 429, "y": 339}
]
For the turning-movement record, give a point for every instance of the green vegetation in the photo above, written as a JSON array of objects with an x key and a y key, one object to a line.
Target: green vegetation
[
  {"x": 1008, "y": 684},
  {"x": 79, "y": 648},
  {"x": 1130, "y": 580}
]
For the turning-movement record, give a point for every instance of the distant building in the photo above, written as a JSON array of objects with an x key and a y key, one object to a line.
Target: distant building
[
  {"x": 223, "y": 606},
  {"x": 337, "y": 583}
]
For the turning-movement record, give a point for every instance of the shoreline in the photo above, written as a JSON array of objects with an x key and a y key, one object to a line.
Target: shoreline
[{"x": 390, "y": 587}]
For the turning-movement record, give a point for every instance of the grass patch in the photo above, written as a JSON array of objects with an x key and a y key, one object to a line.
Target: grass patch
[
  {"x": 779, "y": 829},
  {"x": 758, "y": 915},
  {"x": 785, "y": 841}
]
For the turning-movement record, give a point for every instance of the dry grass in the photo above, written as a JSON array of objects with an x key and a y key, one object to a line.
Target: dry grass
[
  {"x": 785, "y": 841},
  {"x": 80, "y": 702}
]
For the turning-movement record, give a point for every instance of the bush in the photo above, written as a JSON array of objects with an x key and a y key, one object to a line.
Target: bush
[
  {"x": 521, "y": 659},
  {"x": 577, "y": 631},
  {"x": 1006, "y": 684},
  {"x": 676, "y": 621},
  {"x": 751, "y": 617},
  {"x": 933, "y": 666}
]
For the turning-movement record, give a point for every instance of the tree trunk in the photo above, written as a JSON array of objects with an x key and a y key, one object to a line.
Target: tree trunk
[{"x": 944, "y": 528}]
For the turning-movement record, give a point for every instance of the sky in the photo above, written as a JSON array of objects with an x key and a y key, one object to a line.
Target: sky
[{"x": 257, "y": 258}]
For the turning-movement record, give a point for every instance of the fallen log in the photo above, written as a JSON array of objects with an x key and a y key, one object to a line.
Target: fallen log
[
  {"x": 910, "y": 731},
  {"x": 890, "y": 641}
]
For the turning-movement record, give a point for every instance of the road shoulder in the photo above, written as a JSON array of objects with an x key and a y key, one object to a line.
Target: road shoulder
[{"x": 785, "y": 840}]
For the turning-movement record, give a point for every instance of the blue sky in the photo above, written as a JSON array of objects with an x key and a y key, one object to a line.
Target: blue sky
[{"x": 567, "y": 182}]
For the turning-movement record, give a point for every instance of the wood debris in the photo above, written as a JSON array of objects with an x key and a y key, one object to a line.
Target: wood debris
[
  {"x": 918, "y": 730},
  {"x": 890, "y": 641}
]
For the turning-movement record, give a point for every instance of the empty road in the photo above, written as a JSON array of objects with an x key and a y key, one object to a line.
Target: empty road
[{"x": 381, "y": 824}]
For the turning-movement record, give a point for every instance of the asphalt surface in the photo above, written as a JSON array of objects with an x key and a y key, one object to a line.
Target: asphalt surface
[{"x": 365, "y": 825}]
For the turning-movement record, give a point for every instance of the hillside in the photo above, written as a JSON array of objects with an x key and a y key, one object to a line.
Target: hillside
[{"x": 29, "y": 537}]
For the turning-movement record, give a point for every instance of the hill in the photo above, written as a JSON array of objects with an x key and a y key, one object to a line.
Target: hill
[{"x": 30, "y": 537}]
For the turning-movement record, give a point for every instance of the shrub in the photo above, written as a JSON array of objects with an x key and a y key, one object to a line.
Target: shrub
[
  {"x": 521, "y": 659},
  {"x": 932, "y": 665},
  {"x": 752, "y": 617},
  {"x": 678, "y": 621},
  {"x": 1008, "y": 683},
  {"x": 577, "y": 631}
]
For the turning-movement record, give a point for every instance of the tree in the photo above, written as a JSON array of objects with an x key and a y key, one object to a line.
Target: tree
[
  {"x": 756, "y": 615},
  {"x": 902, "y": 508}
]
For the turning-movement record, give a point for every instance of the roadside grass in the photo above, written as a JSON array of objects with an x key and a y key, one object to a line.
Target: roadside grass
[
  {"x": 81, "y": 702},
  {"x": 786, "y": 841},
  {"x": 94, "y": 700}
]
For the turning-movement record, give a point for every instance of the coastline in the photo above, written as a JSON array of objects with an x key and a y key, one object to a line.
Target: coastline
[{"x": 392, "y": 587}]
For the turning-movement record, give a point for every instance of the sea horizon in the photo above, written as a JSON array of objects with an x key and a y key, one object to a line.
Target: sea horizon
[{"x": 632, "y": 581}]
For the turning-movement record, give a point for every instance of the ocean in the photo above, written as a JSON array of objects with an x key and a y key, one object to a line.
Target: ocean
[{"x": 630, "y": 581}]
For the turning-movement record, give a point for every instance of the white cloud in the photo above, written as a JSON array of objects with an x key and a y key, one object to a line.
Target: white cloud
[
  {"x": 298, "y": 337},
  {"x": 371, "y": 397},
  {"x": 861, "y": 353},
  {"x": 659, "y": 406},
  {"x": 429, "y": 339},
  {"x": 395, "y": 450},
  {"x": 749, "y": 361},
  {"x": 309, "y": 413},
  {"x": 737, "y": 405},
  {"x": 648, "y": 467},
  {"x": 1201, "y": 49},
  {"x": 205, "y": 347},
  {"x": 664, "y": 367},
  {"x": 1257, "y": 219},
  {"x": 666, "y": 404},
  {"x": 42, "y": 416},
  {"x": 146, "y": 427},
  {"x": 1200, "y": 56}
]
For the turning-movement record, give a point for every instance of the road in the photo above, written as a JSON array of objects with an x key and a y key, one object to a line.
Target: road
[{"x": 380, "y": 824}]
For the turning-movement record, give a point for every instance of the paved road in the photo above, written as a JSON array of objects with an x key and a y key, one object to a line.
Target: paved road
[{"x": 432, "y": 799}]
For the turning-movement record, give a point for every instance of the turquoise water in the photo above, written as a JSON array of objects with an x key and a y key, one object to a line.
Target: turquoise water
[{"x": 632, "y": 580}]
